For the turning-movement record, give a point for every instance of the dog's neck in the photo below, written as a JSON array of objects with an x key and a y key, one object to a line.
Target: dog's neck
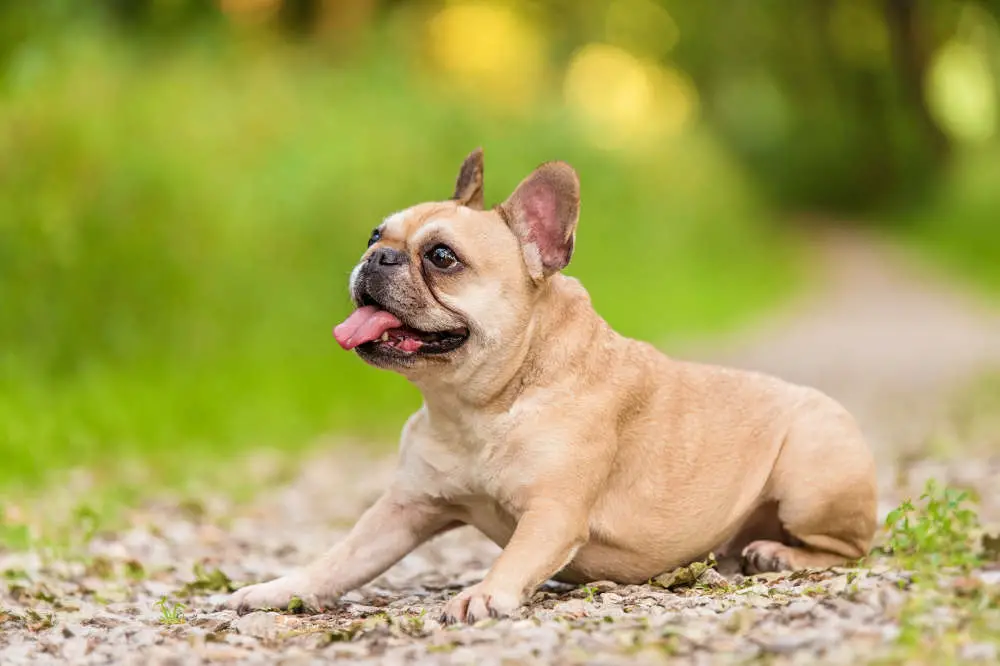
[{"x": 562, "y": 328}]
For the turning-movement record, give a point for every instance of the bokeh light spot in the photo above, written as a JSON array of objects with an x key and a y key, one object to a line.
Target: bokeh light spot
[
  {"x": 961, "y": 92},
  {"x": 624, "y": 100},
  {"x": 489, "y": 49}
]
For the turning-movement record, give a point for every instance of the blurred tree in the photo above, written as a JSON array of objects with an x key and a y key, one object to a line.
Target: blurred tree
[
  {"x": 299, "y": 16},
  {"x": 160, "y": 16},
  {"x": 914, "y": 40},
  {"x": 333, "y": 21},
  {"x": 825, "y": 100}
]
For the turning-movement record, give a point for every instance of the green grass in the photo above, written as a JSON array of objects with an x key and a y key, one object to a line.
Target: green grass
[
  {"x": 170, "y": 613},
  {"x": 936, "y": 533},
  {"x": 176, "y": 233},
  {"x": 939, "y": 541}
]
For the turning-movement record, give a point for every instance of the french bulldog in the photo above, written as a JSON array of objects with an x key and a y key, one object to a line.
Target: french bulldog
[{"x": 584, "y": 454}]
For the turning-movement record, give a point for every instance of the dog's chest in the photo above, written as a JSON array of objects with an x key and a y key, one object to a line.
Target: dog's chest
[
  {"x": 470, "y": 478},
  {"x": 484, "y": 491}
]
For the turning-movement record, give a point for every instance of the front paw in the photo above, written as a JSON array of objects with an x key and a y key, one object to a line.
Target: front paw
[
  {"x": 286, "y": 593},
  {"x": 479, "y": 603}
]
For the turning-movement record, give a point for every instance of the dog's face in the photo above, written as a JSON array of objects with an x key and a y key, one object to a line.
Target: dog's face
[{"x": 444, "y": 285}]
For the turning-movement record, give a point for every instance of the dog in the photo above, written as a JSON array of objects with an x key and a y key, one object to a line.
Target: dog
[{"x": 584, "y": 454}]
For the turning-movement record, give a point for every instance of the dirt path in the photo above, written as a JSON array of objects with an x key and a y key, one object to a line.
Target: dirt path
[
  {"x": 891, "y": 340},
  {"x": 884, "y": 338}
]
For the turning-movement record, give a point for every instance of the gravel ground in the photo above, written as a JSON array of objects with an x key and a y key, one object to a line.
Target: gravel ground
[{"x": 900, "y": 345}]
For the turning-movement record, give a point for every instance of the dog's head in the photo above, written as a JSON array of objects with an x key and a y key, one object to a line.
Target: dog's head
[{"x": 448, "y": 284}]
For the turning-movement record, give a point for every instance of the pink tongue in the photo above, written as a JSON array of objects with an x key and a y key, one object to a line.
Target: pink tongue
[{"x": 364, "y": 325}]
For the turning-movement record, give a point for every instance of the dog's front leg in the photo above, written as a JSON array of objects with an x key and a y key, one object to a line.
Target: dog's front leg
[
  {"x": 545, "y": 540},
  {"x": 393, "y": 526}
]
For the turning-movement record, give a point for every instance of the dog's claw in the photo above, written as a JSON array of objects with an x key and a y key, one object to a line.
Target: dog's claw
[
  {"x": 763, "y": 557},
  {"x": 479, "y": 603}
]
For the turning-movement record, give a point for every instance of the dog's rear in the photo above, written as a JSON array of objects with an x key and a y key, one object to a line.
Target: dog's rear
[
  {"x": 712, "y": 459},
  {"x": 822, "y": 490}
]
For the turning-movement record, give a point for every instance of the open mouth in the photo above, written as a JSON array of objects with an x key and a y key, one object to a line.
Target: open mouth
[{"x": 372, "y": 328}]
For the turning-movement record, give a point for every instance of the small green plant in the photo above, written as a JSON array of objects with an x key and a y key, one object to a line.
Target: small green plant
[
  {"x": 15, "y": 574},
  {"x": 938, "y": 532},
  {"x": 415, "y": 623},
  {"x": 686, "y": 576},
  {"x": 590, "y": 591},
  {"x": 343, "y": 634},
  {"x": 170, "y": 614},
  {"x": 134, "y": 570},
  {"x": 937, "y": 540},
  {"x": 442, "y": 648},
  {"x": 43, "y": 593},
  {"x": 100, "y": 567},
  {"x": 35, "y": 621},
  {"x": 206, "y": 581}
]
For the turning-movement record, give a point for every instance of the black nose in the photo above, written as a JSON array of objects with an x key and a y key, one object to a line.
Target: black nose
[{"x": 386, "y": 256}]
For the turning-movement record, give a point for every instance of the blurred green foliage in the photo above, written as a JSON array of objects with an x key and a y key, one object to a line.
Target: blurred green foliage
[
  {"x": 185, "y": 185},
  {"x": 959, "y": 221},
  {"x": 176, "y": 235}
]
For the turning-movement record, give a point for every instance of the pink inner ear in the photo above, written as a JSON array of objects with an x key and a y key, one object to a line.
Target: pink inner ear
[{"x": 541, "y": 212}]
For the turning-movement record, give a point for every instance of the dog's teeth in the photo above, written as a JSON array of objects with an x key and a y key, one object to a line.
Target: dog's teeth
[{"x": 385, "y": 337}]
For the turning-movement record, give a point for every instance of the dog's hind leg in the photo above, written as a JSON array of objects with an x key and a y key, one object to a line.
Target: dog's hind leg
[
  {"x": 825, "y": 487},
  {"x": 761, "y": 525}
]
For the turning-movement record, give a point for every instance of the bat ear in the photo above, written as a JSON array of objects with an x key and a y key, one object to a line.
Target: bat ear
[
  {"x": 543, "y": 213},
  {"x": 469, "y": 186}
]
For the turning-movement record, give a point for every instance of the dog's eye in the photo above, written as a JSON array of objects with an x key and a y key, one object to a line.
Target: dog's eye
[
  {"x": 376, "y": 237},
  {"x": 442, "y": 257}
]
